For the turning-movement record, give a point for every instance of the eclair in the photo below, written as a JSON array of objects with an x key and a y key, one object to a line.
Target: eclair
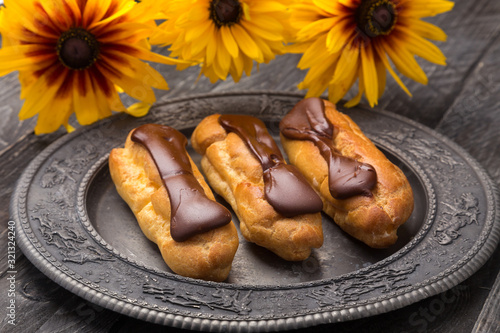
[
  {"x": 276, "y": 207},
  {"x": 362, "y": 191},
  {"x": 174, "y": 206}
]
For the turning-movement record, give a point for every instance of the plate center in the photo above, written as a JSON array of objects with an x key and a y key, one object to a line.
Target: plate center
[{"x": 253, "y": 265}]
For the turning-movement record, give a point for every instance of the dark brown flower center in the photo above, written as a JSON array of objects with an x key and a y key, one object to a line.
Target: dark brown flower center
[
  {"x": 376, "y": 17},
  {"x": 77, "y": 49},
  {"x": 225, "y": 12}
]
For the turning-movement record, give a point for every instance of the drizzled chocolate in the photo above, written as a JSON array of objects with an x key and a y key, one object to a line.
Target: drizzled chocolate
[
  {"x": 284, "y": 186},
  {"x": 191, "y": 211},
  {"x": 347, "y": 177}
]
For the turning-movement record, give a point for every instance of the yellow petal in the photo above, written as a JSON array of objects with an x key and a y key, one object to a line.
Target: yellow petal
[
  {"x": 381, "y": 74},
  {"x": 75, "y": 8},
  {"x": 138, "y": 109},
  {"x": 268, "y": 34},
  {"x": 103, "y": 109},
  {"x": 57, "y": 16},
  {"x": 198, "y": 31},
  {"x": 138, "y": 70},
  {"x": 153, "y": 9},
  {"x": 155, "y": 57},
  {"x": 356, "y": 99},
  {"x": 199, "y": 13},
  {"x": 41, "y": 94},
  {"x": 298, "y": 47},
  {"x": 133, "y": 87},
  {"x": 246, "y": 10},
  {"x": 94, "y": 11},
  {"x": 426, "y": 8},
  {"x": 247, "y": 65},
  {"x": 51, "y": 119},
  {"x": 85, "y": 105},
  {"x": 422, "y": 47},
  {"x": 369, "y": 74},
  {"x": 383, "y": 58},
  {"x": 211, "y": 47},
  {"x": 27, "y": 81},
  {"x": 219, "y": 71},
  {"x": 236, "y": 69},
  {"x": 164, "y": 35},
  {"x": 246, "y": 43},
  {"x": 345, "y": 74},
  {"x": 26, "y": 16},
  {"x": 405, "y": 62},
  {"x": 337, "y": 91},
  {"x": 305, "y": 12},
  {"x": 338, "y": 36},
  {"x": 185, "y": 53},
  {"x": 68, "y": 127},
  {"x": 209, "y": 72},
  {"x": 425, "y": 29},
  {"x": 229, "y": 42},
  {"x": 14, "y": 58},
  {"x": 131, "y": 31},
  {"x": 318, "y": 77},
  {"x": 347, "y": 65},
  {"x": 118, "y": 89},
  {"x": 310, "y": 56},
  {"x": 265, "y": 49},
  {"x": 267, "y": 6},
  {"x": 349, "y": 3},
  {"x": 199, "y": 46},
  {"x": 114, "y": 100},
  {"x": 328, "y": 6},
  {"x": 322, "y": 71},
  {"x": 223, "y": 59},
  {"x": 317, "y": 27},
  {"x": 182, "y": 21},
  {"x": 266, "y": 22},
  {"x": 125, "y": 8}
]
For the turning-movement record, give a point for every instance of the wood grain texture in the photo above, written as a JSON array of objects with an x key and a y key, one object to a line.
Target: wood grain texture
[
  {"x": 461, "y": 101},
  {"x": 489, "y": 319},
  {"x": 11, "y": 129}
]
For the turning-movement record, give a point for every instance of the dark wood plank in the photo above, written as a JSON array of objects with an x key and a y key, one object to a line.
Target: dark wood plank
[
  {"x": 473, "y": 121},
  {"x": 489, "y": 319},
  {"x": 11, "y": 129}
]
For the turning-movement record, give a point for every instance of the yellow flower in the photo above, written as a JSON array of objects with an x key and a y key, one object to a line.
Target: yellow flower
[
  {"x": 346, "y": 40},
  {"x": 225, "y": 36},
  {"x": 75, "y": 56}
]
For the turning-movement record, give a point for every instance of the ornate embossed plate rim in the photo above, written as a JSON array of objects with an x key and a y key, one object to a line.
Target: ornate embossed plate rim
[{"x": 476, "y": 257}]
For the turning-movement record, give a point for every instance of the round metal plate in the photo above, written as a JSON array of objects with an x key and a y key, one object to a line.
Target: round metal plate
[{"x": 75, "y": 228}]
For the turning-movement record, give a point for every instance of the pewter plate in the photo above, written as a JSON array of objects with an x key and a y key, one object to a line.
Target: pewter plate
[{"x": 75, "y": 228}]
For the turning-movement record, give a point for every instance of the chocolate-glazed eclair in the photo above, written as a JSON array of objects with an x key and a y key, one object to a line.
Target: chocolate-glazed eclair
[
  {"x": 364, "y": 193},
  {"x": 276, "y": 207},
  {"x": 173, "y": 204}
]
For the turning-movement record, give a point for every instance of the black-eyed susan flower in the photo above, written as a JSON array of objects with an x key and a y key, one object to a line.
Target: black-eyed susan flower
[
  {"x": 223, "y": 36},
  {"x": 75, "y": 56},
  {"x": 345, "y": 41}
]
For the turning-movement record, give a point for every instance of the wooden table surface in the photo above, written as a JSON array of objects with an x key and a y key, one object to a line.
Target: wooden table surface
[{"x": 461, "y": 102}]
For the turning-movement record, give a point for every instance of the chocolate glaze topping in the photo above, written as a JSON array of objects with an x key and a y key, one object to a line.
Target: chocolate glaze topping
[
  {"x": 347, "y": 177},
  {"x": 192, "y": 212},
  {"x": 284, "y": 186}
]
